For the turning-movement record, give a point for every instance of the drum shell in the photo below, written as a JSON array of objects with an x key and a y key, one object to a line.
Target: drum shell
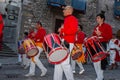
[
  {"x": 30, "y": 48},
  {"x": 95, "y": 49},
  {"x": 55, "y": 51},
  {"x": 76, "y": 53},
  {"x": 81, "y": 57}
]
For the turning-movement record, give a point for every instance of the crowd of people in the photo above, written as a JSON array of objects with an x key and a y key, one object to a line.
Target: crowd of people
[{"x": 72, "y": 35}]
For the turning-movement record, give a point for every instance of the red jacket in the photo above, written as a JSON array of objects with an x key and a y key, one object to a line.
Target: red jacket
[
  {"x": 70, "y": 28},
  {"x": 30, "y": 35},
  {"x": 80, "y": 37},
  {"x": 39, "y": 37},
  {"x": 106, "y": 32},
  {"x": 117, "y": 42},
  {"x": 1, "y": 27}
]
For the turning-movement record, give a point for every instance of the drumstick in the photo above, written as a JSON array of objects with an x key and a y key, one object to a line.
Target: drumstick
[{"x": 45, "y": 51}]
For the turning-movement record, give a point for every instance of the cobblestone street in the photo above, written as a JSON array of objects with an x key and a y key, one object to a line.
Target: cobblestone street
[{"x": 12, "y": 71}]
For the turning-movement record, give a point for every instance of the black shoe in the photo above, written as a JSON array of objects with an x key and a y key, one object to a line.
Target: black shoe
[{"x": 111, "y": 67}]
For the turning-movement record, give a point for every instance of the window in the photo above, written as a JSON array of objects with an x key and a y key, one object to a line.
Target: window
[
  {"x": 79, "y": 5},
  {"x": 56, "y": 3}
]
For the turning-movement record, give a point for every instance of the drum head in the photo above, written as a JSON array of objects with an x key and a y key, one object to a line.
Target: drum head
[
  {"x": 58, "y": 55},
  {"x": 32, "y": 52}
]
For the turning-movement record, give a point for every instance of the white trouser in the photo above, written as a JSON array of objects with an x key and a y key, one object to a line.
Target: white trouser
[
  {"x": 25, "y": 60},
  {"x": 98, "y": 70},
  {"x": 19, "y": 57},
  {"x": 64, "y": 67},
  {"x": 73, "y": 64},
  {"x": 112, "y": 56},
  {"x": 37, "y": 62},
  {"x": 111, "y": 48}
]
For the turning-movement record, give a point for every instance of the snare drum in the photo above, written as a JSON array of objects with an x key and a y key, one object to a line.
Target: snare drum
[
  {"x": 76, "y": 52},
  {"x": 95, "y": 49},
  {"x": 30, "y": 47},
  {"x": 55, "y": 51}
]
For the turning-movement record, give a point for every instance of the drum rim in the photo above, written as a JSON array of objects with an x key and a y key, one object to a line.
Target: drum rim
[
  {"x": 34, "y": 54},
  {"x": 99, "y": 59},
  {"x": 58, "y": 62}
]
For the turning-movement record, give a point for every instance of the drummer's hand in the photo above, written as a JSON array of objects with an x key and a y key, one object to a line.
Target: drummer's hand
[
  {"x": 59, "y": 29},
  {"x": 107, "y": 52},
  {"x": 33, "y": 34},
  {"x": 38, "y": 40},
  {"x": 63, "y": 34},
  {"x": 98, "y": 33}
]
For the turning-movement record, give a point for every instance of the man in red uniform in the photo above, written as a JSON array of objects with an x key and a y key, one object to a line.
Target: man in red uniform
[
  {"x": 68, "y": 30},
  {"x": 79, "y": 44},
  {"x": 38, "y": 38},
  {"x": 104, "y": 33}
]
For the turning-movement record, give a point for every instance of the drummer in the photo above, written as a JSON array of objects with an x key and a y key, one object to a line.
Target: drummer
[
  {"x": 38, "y": 38},
  {"x": 79, "y": 43},
  {"x": 104, "y": 32},
  {"x": 22, "y": 57},
  {"x": 68, "y": 31}
]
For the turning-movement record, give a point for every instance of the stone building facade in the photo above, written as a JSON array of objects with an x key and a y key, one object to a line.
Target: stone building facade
[
  {"x": 35, "y": 10},
  {"x": 32, "y": 11},
  {"x": 49, "y": 16}
]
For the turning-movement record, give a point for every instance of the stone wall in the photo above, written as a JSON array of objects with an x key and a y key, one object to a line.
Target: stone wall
[
  {"x": 34, "y": 10},
  {"x": 37, "y": 10},
  {"x": 107, "y": 6}
]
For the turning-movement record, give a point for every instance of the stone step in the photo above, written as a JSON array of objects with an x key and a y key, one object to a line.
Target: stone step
[
  {"x": 6, "y": 51},
  {"x": 7, "y": 55}
]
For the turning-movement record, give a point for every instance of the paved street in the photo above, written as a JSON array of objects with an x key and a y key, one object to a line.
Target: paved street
[{"x": 12, "y": 71}]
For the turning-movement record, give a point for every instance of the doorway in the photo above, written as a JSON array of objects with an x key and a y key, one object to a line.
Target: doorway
[{"x": 58, "y": 23}]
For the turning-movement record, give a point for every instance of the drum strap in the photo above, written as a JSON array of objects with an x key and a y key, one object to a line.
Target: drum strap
[
  {"x": 32, "y": 58},
  {"x": 56, "y": 43},
  {"x": 66, "y": 44},
  {"x": 39, "y": 44},
  {"x": 81, "y": 58}
]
